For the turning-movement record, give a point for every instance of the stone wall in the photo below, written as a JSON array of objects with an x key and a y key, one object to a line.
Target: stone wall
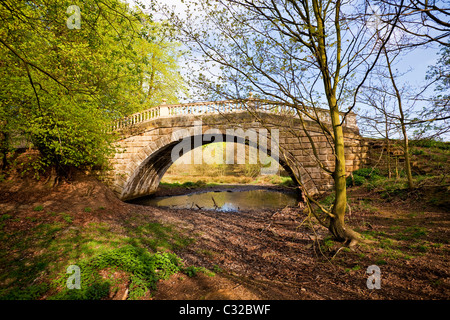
[{"x": 145, "y": 149}]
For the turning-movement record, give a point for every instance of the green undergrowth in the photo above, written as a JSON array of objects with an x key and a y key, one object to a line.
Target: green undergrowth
[
  {"x": 400, "y": 242},
  {"x": 143, "y": 269},
  {"x": 394, "y": 245},
  {"x": 428, "y": 188},
  {"x": 34, "y": 261}
]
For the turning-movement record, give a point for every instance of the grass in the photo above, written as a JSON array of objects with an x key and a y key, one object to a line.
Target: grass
[
  {"x": 433, "y": 144},
  {"x": 67, "y": 217},
  {"x": 398, "y": 242},
  {"x": 187, "y": 184},
  {"x": 140, "y": 249},
  {"x": 376, "y": 180},
  {"x": 143, "y": 268},
  {"x": 180, "y": 180}
]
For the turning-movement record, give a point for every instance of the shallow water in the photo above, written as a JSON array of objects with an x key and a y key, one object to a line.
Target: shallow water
[{"x": 226, "y": 200}]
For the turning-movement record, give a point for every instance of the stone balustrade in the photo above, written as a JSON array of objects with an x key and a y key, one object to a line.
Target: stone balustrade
[{"x": 225, "y": 107}]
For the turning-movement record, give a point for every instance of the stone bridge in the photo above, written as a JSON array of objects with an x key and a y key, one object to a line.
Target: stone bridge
[{"x": 149, "y": 141}]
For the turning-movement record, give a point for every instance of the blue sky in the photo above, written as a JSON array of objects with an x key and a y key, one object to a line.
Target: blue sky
[{"x": 417, "y": 61}]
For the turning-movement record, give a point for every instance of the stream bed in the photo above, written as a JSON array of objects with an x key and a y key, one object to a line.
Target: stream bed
[{"x": 227, "y": 201}]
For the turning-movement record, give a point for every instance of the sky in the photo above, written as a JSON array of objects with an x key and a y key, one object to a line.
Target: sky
[{"x": 416, "y": 61}]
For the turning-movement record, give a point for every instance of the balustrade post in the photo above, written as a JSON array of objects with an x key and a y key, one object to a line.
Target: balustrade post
[{"x": 163, "y": 109}]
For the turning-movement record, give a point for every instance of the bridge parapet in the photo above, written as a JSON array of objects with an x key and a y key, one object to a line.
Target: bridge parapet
[{"x": 229, "y": 106}]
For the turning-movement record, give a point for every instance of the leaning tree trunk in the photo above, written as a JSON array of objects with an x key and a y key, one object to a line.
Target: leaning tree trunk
[{"x": 337, "y": 225}]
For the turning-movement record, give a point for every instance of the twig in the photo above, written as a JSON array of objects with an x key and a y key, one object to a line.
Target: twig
[
  {"x": 337, "y": 252},
  {"x": 215, "y": 204},
  {"x": 268, "y": 226}
]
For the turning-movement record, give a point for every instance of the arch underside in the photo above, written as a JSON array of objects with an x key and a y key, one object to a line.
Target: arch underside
[{"x": 146, "y": 178}]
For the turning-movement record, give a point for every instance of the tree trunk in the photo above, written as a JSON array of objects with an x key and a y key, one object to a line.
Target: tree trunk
[
  {"x": 340, "y": 202},
  {"x": 388, "y": 147},
  {"x": 402, "y": 124},
  {"x": 407, "y": 159},
  {"x": 4, "y": 148},
  {"x": 337, "y": 224}
]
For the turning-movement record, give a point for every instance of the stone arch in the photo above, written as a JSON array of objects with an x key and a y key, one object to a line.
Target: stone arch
[
  {"x": 146, "y": 145},
  {"x": 149, "y": 165}
]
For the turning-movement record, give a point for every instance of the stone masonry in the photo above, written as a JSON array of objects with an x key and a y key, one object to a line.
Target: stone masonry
[{"x": 145, "y": 147}]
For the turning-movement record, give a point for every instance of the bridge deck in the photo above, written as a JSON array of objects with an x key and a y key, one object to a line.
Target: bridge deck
[{"x": 231, "y": 106}]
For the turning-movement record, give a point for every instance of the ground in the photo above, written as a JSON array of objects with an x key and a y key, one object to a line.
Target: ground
[{"x": 252, "y": 255}]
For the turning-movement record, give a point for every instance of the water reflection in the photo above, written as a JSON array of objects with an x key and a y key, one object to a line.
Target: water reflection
[{"x": 226, "y": 200}]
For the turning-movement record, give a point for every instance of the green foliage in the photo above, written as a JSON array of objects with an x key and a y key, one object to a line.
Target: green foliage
[
  {"x": 30, "y": 293},
  {"x": 430, "y": 143},
  {"x": 158, "y": 237},
  {"x": 364, "y": 175},
  {"x": 357, "y": 180},
  {"x": 328, "y": 242},
  {"x": 144, "y": 268},
  {"x": 38, "y": 208},
  {"x": 192, "y": 271},
  {"x": 67, "y": 217},
  {"x": 328, "y": 200},
  {"x": 5, "y": 217},
  {"x": 417, "y": 152},
  {"x": 367, "y": 172},
  {"x": 61, "y": 87},
  {"x": 413, "y": 232},
  {"x": 91, "y": 246},
  {"x": 188, "y": 184}
]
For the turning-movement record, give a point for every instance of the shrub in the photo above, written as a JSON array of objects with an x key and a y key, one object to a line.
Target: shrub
[
  {"x": 367, "y": 172},
  {"x": 144, "y": 268},
  {"x": 356, "y": 181},
  {"x": 417, "y": 152},
  {"x": 362, "y": 175},
  {"x": 427, "y": 143}
]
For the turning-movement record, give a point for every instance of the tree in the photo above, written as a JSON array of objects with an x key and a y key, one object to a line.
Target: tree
[
  {"x": 434, "y": 122},
  {"x": 60, "y": 87},
  {"x": 425, "y": 20},
  {"x": 401, "y": 119},
  {"x": 162, "y": 79},
  {"x": 391, "y": 105},
  {"x": 424, "y": 24},
  {"x": 301, "y": 54}
]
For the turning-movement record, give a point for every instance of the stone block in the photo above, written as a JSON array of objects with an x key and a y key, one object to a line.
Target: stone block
[{"x": 350, "y": 156}]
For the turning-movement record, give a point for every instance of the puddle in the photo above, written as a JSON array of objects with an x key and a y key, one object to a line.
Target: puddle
[{"x": 225, "y": 200}]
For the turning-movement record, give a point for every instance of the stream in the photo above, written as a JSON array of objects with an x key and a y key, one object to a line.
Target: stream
[{"x": 227, "y": 201}]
